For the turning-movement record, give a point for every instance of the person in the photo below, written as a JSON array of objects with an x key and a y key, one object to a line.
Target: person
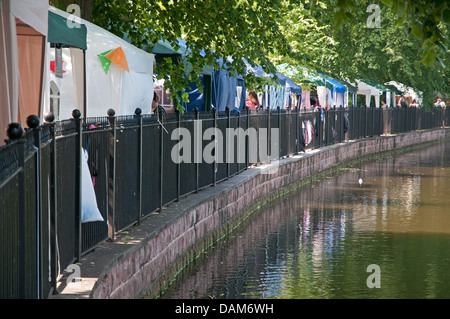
[
  {"x": 94, "y": 126},
  {"x": 438, "y": 103},
  {"x": 403, "y": 102},
  {"x": 312, "y": 102},
  {"x": 156, "y": 106},
  {"x": 252, "y": 101},
  {"x": 383, "y": 104}
]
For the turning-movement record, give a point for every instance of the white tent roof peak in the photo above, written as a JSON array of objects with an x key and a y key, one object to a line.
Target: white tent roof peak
[
  {"x": 99, "y": 39},
  {"x": 32, "y": 12},
  {"x": 117, "y": 87},
  {"x": 366, "y": 89}
]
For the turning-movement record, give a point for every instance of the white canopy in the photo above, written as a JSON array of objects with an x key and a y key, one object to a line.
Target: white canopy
[
  {"x": 408, "y": 91},
  {"x": 120, "y": 89},
  {"x": 368, "y": 91}
]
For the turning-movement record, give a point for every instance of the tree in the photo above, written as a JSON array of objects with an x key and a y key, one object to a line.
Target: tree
[
  {"x": 311, "y": 43},
  {"x": 328, "y": 35},
  {"x": 212, "y": 29},
  {"x": 425, "y": 19},
  {"x": 387, "y": 52},
  {"x": 85, "y": 6}
]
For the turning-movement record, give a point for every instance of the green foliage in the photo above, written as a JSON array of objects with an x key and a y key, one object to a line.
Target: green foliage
[
  {"x": 330, "y": 36},
  {"x": 233, "y": 28},
  {"x": 425, "y": 19},
  {"x": 390, "y": 52},
  {"x": 311, "y": 44}
]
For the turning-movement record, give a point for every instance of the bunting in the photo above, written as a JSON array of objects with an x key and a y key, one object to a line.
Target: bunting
[{"x": 116, "y": 56}]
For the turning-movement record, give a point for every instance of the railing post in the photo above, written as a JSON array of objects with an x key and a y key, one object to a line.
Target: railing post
[
  {"x": 268, "y": 138},
  {"x": 227, "y": 110},
  {"x": 214, "y": 113},
  {"x": 15, "y": 133},
  {"x": 138, "y": 114},
  {"x": 178, "y": 155},
  {"x": 327, "y": 127},
  {"x": 161, "y": 159},
  {"x": 50, "y": 118},
  {"x": 288, "y": 120},
  {"x": 366, "y": 131},
  {"x": 112, "y": 153},
  {"x": 78, "y": 182},
  {"x": 381, "y": 124},
  {"x": 33, "y": 123},
  {"x": 374, "y": 111},
  {"x": 247, "y": 139},
  {"x": 297, "y": 138},
  {"x": 280, "y": 131},
  {"x": 197, "y": 172}
]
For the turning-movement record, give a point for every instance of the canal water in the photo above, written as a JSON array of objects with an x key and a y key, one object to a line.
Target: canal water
[{"x": 374, "y": 230}]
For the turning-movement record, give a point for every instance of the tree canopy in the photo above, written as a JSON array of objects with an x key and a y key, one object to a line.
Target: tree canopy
[
  {"x": 390, "y": 51},
  {"x": 404, "y": 41}
]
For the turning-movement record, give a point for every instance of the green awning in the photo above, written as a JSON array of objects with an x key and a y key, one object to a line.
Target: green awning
[
  {"x": 66, "y": 32},
  {"x": 394, "y": 89},
  {"x": 300, "y": 74},
  {"x": 351, "y": 89},
  {"x": 316, "y": 80},
  {"x": 163, "y": 49},
  {"x": 377, "y": 85}
]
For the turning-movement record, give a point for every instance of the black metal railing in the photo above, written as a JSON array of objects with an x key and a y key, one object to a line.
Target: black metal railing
[{"x": 140, "y": 163}]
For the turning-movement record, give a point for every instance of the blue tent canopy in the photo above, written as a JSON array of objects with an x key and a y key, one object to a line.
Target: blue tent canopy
[
  {"x": 224, "y": 88},
  {"x": 224, "y": 91},
  {"x": 336, "y": 87},
  {"x": 256, "y": 70},
  {"x": 196, "y": 98},
  {"x": 291, "y": 86}
]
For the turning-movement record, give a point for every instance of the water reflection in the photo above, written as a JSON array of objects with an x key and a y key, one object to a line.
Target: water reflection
[{"x": 318, "y": 242}]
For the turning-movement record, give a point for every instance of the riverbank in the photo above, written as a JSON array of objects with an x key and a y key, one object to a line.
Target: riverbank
[{"x": 142, "y": 260}]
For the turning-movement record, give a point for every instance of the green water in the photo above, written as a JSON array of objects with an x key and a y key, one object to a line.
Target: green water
[{"x": 320, "y": 241}]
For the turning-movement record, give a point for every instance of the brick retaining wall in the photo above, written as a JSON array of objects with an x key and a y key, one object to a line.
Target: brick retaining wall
[{"x": 162, "y": 244}]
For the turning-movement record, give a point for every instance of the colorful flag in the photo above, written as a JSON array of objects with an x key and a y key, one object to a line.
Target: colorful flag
[
  {"x": 106, "y": 63},
  {"x": 116, "y": 56}
]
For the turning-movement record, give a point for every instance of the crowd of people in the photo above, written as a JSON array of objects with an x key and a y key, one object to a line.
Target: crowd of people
[
  {"x": 252, "y": 102},
  {"x": 440, "y": 103}
]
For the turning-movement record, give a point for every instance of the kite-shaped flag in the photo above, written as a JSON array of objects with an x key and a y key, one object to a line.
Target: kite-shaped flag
[
  {"x": 116, "y": 56},
  {"x": 104, "y": 61}
]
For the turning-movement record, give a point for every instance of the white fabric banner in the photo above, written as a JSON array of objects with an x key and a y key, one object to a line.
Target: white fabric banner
[{"x": 322, "y": 95}]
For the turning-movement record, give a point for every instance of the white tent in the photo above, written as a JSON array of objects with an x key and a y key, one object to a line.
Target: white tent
[
  {"x": 23, "y": 32},
  {"x": 368, "y": 91},
  {"x": 117, "y": 88},
  {"x": 408, "y": 92}
]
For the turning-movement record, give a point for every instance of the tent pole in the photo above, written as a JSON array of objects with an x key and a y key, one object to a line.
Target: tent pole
[
  {"x": 84, "y": 87},
  {"x": 2, "y": 13},
  {"x": 41, "y": 93}
]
